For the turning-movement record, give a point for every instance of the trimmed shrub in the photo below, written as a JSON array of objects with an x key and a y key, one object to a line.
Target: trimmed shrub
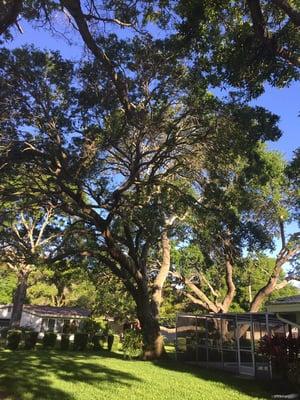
[
  {"x": 113, "y": 342},
  {"x": 97, "y": 342},
  {"x": 103, "y": 341},
  {"x": 65, "y": 341},
  {"x": 80, "y": 341},
  {"x": 30, "y": 339},
  {"x": 132, "y": 344},
  {"x": 13, "y": 339},
  {"x": 49, "y": 340},
  {"x": 3, "y": 333}
]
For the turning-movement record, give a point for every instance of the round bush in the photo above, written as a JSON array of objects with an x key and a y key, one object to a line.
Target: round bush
[
  {"x": 65, "y": 341},
  {"x": 49, "y": 340},
  {"x": 132, "y": 344},
  {"x": 30, "y": 339},
  {"x": 13, "y": 339},
  {"x": 80, "y": 341}
]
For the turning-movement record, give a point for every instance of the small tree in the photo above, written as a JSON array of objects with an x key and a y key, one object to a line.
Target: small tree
[{"x": 29, "y": 239}]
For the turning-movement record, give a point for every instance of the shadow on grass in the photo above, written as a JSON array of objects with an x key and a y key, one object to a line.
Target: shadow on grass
[
  {"x": 243, "y": 385},
  {"x": 30, "y": 375}
]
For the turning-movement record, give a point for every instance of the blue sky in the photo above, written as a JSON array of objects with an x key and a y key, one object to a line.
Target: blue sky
[{"x": 285, "y": 103}]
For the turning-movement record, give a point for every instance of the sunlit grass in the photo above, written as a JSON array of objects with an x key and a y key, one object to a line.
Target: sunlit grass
[{"x": 39, "y": 375}]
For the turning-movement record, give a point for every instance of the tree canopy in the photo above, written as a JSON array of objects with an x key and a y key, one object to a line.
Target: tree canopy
[{"x": 134, "y": 152}]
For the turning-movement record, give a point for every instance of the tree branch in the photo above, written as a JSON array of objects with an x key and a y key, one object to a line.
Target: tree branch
[
  {"x": 119, "y": 81},
  {"x": 291, "y": 11}
]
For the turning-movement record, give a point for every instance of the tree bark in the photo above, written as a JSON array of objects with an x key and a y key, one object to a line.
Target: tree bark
[
  {"x": 19, "y": 299},
  {"x": 153, "y": 347},
  {"x": 157, "y": 296},
  {"x": 231, "y": 290},
  {"x": 133, "y": 273},
  {"x": 272, "y": 282}
]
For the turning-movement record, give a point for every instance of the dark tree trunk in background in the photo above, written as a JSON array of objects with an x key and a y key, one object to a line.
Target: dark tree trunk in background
[{"x": 19, "y": 299}]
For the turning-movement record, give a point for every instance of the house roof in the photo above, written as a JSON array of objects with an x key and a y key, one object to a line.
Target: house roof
[
  {"x": 287, "y": 300},
  {"x": 49, "y": 311},
  {"x": 285, "y": 305}
]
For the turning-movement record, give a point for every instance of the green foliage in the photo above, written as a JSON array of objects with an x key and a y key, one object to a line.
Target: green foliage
[
  {"x": 30, "y": 339},
  {"x": 231, "y": 46},
  {"x": 80, "y": 341},
  {"x": 132, "y": 344},
  {"x": 40, "y": 292},
  {"x": 13, "y": 339},
  {"x": 93, "y": 325},
  {"x": 111, "y": 299},
  {"x": 49, "y": 340},
  {"x": 65, "y": 341},
  {"x": 121, "y": 140},
  {"x": 8, "y": 282},
  {"x": 250, "y": 276}
]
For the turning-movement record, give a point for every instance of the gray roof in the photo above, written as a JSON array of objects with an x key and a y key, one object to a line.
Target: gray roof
[
  {"x": 49, "y": 311},
  {"x": 287, "y": 300}
]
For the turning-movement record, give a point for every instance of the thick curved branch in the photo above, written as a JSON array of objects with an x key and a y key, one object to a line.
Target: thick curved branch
[
  {"x": 231, "y": 290},
  {"x": 283, "y": 257},
  {"x": 74, "y": 9},
  {"x": 203, "y": 300},
  {"x": 161, "y": 277}
]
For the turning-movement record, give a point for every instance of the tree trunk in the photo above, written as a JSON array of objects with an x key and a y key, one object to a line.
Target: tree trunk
[
  {"x": 153, "y": 347},
  {"x": 269, "y": 287},
  {"x": 231, "y": 290},
  {"x": 157, "y": 295},
  {"x": 19, "y": 299},
  {"x": 135, "y": 278}
]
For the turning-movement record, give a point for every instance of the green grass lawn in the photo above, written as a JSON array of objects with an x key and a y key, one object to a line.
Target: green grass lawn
[{"x": 56, "y": 375}]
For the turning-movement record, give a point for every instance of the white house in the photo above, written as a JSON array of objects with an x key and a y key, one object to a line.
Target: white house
[
  {"x": 45, "y": 318},
  {"x": 287, "y": 309}
]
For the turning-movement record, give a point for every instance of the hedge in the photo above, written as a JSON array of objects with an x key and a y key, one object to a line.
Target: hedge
[
  {"x": 49, "y": 340},
  {"x": 65, "y": 341},
  {"x": 30, "y": 339},
  {"x": 80, "y": 341},
  {"x": 13, "y": 339}
]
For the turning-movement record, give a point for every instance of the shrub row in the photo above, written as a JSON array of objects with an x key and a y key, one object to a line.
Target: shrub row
[{"x": 81, "y": 340}]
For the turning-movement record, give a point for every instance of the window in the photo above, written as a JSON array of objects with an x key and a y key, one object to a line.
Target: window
[
  {"x": 48, "y": 325},
  {"x": 4, "y": 323},
  {"x": 51, "y": 324}
]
